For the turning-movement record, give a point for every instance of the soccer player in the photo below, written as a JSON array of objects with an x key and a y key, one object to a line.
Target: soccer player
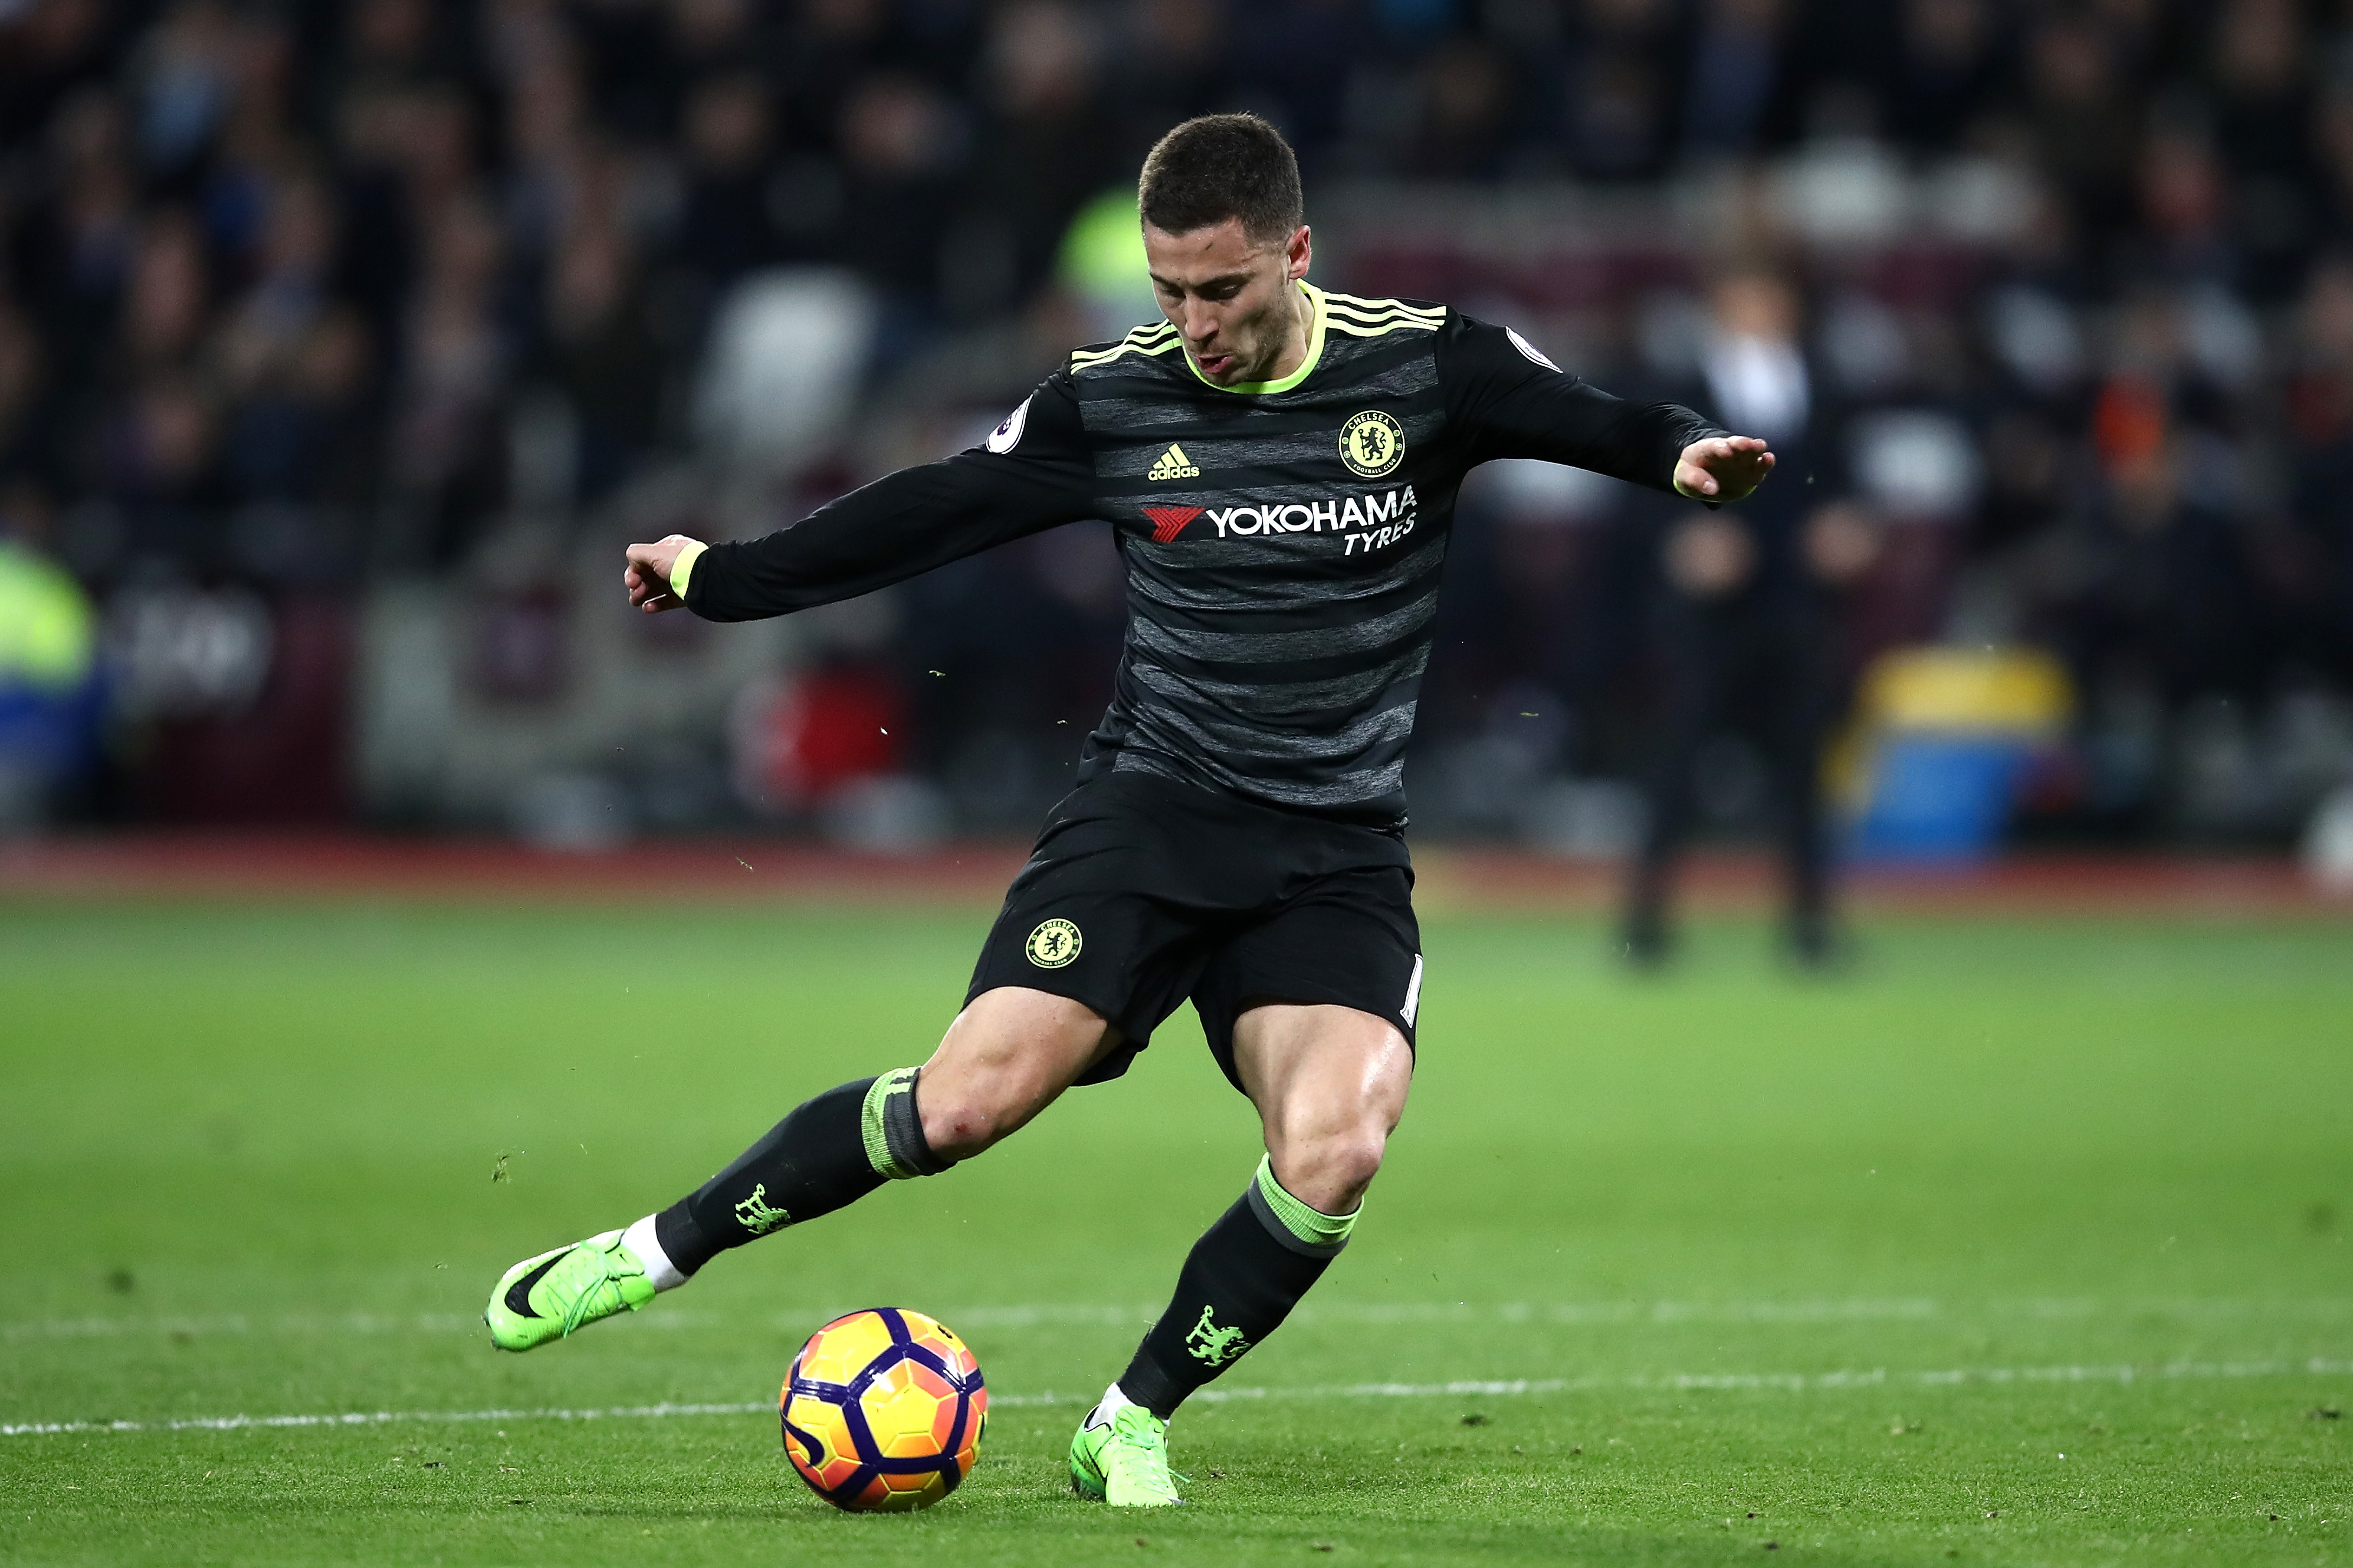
[{"x": 1280, "y": 464}]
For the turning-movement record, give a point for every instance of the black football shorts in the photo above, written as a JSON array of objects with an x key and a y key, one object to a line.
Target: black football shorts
[{"x": 1143, "y": 891}]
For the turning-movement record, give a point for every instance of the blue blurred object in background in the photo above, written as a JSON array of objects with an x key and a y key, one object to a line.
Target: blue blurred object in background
[
  {"x": 1940, "y": 797},
  {"x": 1946, "y": 736}
]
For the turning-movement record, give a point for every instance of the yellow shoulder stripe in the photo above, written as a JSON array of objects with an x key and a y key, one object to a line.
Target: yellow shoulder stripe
[
  {"x": 1368, "y": 302},
  {"x": 1377, "y": 308},
  {"x": 1378, "y": 317},
  {"x": 1380, "y": 328},
  {"x": 1143, "y": 340},
  {"x": 1091, "y": 362}
]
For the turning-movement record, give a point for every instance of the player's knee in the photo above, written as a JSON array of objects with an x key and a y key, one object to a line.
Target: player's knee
[
  {"x": 966, "y": 1113},
  {"x": 1330, "y": 1171},
  {"x": 1356, "y": 1160},
  {"x": 957, "y": 1126},
  {"x": 1005, "y": 1058}
]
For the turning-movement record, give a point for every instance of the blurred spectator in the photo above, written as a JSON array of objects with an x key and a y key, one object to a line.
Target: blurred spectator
[
  {"x": 1737, "y": 68},
  {"x": 50, "y": 50},
  {"x": 1741, "y": 628},
  {"x": 184, "y": 70},
  {"x": 727, "y": 224},
  {"x": 20, "y": 388},
  {"x": 294, "y": 296},
  {"x": 1618, "y": 94},
  {"x": 1468, "y": 113},
  {"x": 1045, "y": 146},
  {"x": 2144, "y": 591},
  {"x": 1949, "y": 56},
  {"x": 1310, "y": 66},
  {"x": 2311, "y": 569},
  {"x": 901, "y": 151},
  {"x": 445, "y": 469},
  {"x": 2084, "y": 117},
  {"x": 1165, "y": 67},
  {"x": 601, "y": 351}
]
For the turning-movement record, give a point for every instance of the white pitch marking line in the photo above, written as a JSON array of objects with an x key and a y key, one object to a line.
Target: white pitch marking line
[
  {"x": 1789, "y": 1383},
  {"x": 1796, "y": 1312},
  {"x": 374, "y": 1418}
]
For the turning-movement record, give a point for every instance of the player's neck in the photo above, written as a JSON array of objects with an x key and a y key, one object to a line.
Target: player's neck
[{"x": 1295, "y": 335}]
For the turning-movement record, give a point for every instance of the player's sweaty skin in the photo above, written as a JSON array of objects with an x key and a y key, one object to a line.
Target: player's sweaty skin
[
  {"x": 1329, "y": 1082},
  {"x": 1231, "y": 299}
]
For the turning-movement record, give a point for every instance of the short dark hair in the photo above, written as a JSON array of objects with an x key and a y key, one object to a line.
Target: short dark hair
[{"x": 1220, "y": 166}]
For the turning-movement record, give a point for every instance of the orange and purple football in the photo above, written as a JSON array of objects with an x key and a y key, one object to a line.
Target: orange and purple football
[{"x": 883, "y": 1410}]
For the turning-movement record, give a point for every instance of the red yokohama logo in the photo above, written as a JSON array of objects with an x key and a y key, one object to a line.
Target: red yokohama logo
[{"x": 1168, "y": 521}]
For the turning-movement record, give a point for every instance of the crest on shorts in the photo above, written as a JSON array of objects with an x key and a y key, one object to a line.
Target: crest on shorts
[
  {"x": 1372, "y": 444},
  {"x": 1053, "y": 944}
]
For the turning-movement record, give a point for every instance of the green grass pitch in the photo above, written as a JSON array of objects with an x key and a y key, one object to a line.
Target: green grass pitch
[{"x": 2023, "y": 1244}]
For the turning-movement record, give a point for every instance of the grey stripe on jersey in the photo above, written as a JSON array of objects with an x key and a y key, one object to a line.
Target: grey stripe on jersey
[
  {"x": 1375, "y": 633},
  {"x": 1276, "y": 645}
]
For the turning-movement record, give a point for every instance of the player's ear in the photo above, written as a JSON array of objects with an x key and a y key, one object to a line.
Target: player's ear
[{"x": 1299, "y": 253}]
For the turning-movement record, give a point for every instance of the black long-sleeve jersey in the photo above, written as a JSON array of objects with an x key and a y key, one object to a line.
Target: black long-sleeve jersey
[{"x": 1283, "y": 540}]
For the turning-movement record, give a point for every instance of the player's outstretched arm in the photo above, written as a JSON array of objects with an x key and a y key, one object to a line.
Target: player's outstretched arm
[
  {"x": 1512, "y": 402},
  {"x": 1035, "y": 473}
]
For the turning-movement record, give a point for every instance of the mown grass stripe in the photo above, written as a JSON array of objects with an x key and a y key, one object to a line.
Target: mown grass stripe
[
  {"x": 1798, "y": 1312},
  {"x": 2123, "y": 1373}
]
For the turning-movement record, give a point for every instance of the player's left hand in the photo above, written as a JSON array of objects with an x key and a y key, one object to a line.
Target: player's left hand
[
  {"x": 646, "y": 576},
  {"x": 1723, "y": 467}
]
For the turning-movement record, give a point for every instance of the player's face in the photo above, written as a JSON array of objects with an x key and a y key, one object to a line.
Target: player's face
[{"x": 1230, "y": 297}]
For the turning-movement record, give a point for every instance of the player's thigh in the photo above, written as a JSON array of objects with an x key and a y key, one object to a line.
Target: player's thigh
[
  {"x": 1330, "y": 1084},
  {"x": 1319, "y": 1070},
  {"x": 1349, "y": 940},
  {"x": 1007, "y": 1055}
]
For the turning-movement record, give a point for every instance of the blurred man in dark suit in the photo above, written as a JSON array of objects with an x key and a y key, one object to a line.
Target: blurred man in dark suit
[{"x": 1741, "y": 628}]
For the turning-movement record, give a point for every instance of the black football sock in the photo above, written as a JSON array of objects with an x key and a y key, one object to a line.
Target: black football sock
[
  {"x": 1239, "y": 1283},
  {"x": 830, "y": 1151}
]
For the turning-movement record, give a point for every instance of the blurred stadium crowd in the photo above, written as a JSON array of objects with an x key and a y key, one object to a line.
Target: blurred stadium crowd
[{"x": 304, "y": 306}]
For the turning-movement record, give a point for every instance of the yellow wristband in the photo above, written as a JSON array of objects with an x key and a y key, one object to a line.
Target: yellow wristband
[{"x": 683, "y": 566}]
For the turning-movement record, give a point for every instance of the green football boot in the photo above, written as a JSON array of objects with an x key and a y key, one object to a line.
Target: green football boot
[
  {"x": 547, "y": 1296},
  {"x": 1123, "y": 1461}
]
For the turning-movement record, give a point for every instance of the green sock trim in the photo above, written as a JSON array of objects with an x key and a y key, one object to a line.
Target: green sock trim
[
  {"x": 1310, "y": 1226},
  {"x": 874, "y": 1127}
]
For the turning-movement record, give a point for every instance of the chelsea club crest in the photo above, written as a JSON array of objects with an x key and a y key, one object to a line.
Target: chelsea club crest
[{"x": 1372, "y": 444}]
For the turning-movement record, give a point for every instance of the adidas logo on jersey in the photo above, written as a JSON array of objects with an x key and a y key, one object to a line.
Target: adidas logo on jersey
[{"x": 1174, "y": 465}]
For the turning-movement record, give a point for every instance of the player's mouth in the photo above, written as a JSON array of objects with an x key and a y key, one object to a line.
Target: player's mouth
[{"x": 1214, "y": 364}]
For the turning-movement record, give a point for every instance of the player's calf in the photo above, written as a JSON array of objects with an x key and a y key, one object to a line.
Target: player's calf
[
  {"x": 830, "y": 1151},
  {"x": 1005, "y": 1058},
  {"x": 1330, "y": 1083},
  {"x": 1239, "y": 1283}
]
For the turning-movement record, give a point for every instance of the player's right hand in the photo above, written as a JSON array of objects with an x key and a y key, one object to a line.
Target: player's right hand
[{"x": 648, "y": 576}]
